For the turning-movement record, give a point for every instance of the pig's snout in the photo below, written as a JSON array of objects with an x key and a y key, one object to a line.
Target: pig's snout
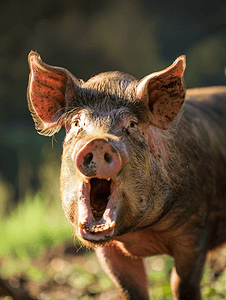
[{"x": 98, "y": 158}]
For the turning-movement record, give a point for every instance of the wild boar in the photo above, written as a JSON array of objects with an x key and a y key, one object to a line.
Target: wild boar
[{"x": 143, "y": 172}]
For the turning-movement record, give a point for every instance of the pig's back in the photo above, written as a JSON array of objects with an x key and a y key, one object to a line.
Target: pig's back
[
  {"x": 207, "y": 107},
  {"x": 210, "y": 100},
  {"x": 205, "y": 112},
  {"x": 206, "y": 93},
  {"x": 205, "y": 117}
]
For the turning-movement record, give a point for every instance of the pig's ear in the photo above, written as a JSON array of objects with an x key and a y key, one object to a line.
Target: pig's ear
[
  {"x": 163, "y": 92},
  {"x": 49, "y": 90}
]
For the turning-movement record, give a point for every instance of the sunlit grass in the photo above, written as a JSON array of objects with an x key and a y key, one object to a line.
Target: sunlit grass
[
  {"x": 159, "y": 272},
  {"x": 32, "y": 227}
]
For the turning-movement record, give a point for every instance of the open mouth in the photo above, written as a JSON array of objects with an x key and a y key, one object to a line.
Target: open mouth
[
  {"x": 99, "y": 196},
  {"x": 97, "y": 210}
]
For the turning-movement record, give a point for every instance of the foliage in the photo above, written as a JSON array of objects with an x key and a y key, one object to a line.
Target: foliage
[{"x": 35, "y": 224}]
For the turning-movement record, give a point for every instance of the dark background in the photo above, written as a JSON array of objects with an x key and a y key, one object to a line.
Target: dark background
[{"x": 87, "y": 37}]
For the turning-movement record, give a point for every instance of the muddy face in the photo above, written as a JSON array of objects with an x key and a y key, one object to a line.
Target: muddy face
[{"x": 99, "y": 160}]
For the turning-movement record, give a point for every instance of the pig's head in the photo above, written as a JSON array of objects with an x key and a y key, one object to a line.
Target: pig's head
[{"x": 110, "y": 181}]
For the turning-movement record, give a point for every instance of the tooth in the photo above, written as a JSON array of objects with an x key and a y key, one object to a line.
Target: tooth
[
  {"x": 97, "y": 228},
  {"x": 86, "y": 180},
  {"x": 105, "y": 227},
  {"x": 112, "y": 224}
]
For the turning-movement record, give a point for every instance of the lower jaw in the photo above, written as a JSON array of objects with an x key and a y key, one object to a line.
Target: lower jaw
[
  {"x": 95, "y": 237},
  {"x": 90, "y": 243}
]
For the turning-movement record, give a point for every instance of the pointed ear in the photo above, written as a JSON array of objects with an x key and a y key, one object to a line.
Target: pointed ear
[
  {"x": 163, "y": 92},
  {"x": 49, "y": 90}
]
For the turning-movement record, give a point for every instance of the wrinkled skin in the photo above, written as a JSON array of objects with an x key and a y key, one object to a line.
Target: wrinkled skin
[{"x": 142, "y": 173}]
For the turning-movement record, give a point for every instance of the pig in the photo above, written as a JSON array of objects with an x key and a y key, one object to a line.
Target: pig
[{"x": 143, "y": 171}]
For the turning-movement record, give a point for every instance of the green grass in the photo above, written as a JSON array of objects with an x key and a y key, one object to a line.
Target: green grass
[
  {"x": 33, "y": 225},
  {"x": 159, "y": 271}
]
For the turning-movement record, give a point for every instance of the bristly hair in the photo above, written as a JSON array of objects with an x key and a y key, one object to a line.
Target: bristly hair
[{"x": 104, "y": 93}]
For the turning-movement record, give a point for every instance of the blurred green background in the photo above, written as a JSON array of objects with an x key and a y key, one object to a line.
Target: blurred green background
[{"x": 86, "y": 37}]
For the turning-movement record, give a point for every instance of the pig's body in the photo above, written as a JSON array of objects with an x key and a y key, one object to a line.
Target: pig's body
[
  {"x": 193, "y": 220},
  {"x": 136, "y": 180}
]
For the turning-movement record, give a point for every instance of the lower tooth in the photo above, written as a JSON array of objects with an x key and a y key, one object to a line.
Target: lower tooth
[
  {"x": 106, "y": 226},
  {"x": 112, "y": 224},
  {"x": 98, "y": 228}
]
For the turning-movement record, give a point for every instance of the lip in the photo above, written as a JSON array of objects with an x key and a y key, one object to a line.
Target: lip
[
  {"x": 91, "y": 226},
  {"x": 96, "y": 233}
]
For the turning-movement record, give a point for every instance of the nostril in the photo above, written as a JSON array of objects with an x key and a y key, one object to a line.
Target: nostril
[
  {"x": 108, "y": 158},
  {"x": 88, "y": 158}
]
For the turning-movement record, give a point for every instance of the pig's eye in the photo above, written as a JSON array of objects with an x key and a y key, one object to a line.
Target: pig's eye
[
  {"x": 75, "y": 123},
  {"x": 132, "y": 124}
]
